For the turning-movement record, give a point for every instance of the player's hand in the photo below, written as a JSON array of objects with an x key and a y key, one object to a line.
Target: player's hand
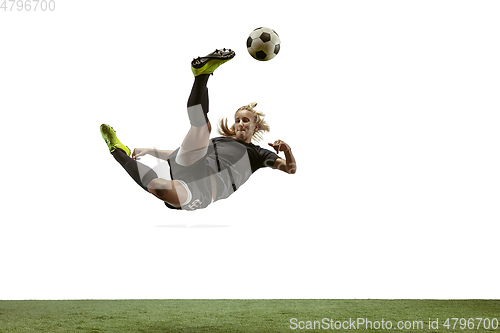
[
  {"x": 280, "y": 145},
  {"x": 138, "y": 152}
]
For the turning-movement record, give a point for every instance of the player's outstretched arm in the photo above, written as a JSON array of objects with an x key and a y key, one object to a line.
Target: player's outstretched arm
[
  {"x": 288, "y": 165},
  {"x": 161, "y": 154}
]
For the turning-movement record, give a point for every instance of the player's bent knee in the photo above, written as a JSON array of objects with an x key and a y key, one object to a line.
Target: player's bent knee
[
  {"x": 160, "y": 187},
  {"x": 168, "y": 191}
]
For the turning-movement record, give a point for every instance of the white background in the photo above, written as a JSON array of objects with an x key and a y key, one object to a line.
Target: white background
[{"x": 391, "y": 109}]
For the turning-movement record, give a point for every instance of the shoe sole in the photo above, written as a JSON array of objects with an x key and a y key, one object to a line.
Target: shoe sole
[{"x": 201, "y": 61}]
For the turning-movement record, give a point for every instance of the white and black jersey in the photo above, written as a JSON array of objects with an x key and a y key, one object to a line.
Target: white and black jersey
[{"x": 232, "y": 162}]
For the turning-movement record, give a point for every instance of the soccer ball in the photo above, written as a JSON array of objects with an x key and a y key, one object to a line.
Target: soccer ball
[{"x": 263, "y": 44}]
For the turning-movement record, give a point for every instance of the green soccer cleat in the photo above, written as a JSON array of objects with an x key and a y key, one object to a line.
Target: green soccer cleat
[
  {"x": 209, "y": 63},
  {"x": 109, "y": 135}
]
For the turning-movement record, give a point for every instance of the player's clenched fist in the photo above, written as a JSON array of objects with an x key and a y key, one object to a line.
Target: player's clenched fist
[{"x": 280, "y": 145}]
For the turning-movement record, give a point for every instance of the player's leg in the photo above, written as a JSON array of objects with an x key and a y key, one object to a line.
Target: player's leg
[
  {"x": 140, "y": 173},
  {"x": 197, "y": 106},
  {"x": 170, "y": 191},
  {"x": 195, "y": 144},
  {"x": 167, "y": 190}
]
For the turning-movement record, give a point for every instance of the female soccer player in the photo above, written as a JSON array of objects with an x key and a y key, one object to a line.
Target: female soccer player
[{"x": 204, "y": 170}]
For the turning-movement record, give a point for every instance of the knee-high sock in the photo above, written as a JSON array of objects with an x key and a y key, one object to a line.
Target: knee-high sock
[
  {"x": 198, "y": 101},
  {"x": 142, "y": 174}
]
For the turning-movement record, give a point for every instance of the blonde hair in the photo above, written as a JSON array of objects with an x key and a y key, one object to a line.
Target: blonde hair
[{"x": 229, "y": 132}]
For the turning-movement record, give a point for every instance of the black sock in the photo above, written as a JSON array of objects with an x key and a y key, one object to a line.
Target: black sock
[
  {"x": 199, "y": 95},
  {"x": 142, "y": 174}
]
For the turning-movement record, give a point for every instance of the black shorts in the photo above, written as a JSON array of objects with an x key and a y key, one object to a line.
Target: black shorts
[{"x": 197, "y": 179}]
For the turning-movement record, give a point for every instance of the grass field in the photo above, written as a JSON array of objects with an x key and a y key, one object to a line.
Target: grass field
[{"x": 249, "y": 315}]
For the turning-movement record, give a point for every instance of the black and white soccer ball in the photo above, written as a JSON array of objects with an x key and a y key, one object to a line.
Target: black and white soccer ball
[{"x": 263, "y": 44}]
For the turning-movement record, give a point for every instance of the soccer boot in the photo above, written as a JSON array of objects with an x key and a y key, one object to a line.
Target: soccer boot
[
  {"x": 109, "y": 135},
  {"x": 208, "y": 64}
]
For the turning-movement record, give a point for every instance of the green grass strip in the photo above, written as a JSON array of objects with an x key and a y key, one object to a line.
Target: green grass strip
[{"x": 247, "y": 315}]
